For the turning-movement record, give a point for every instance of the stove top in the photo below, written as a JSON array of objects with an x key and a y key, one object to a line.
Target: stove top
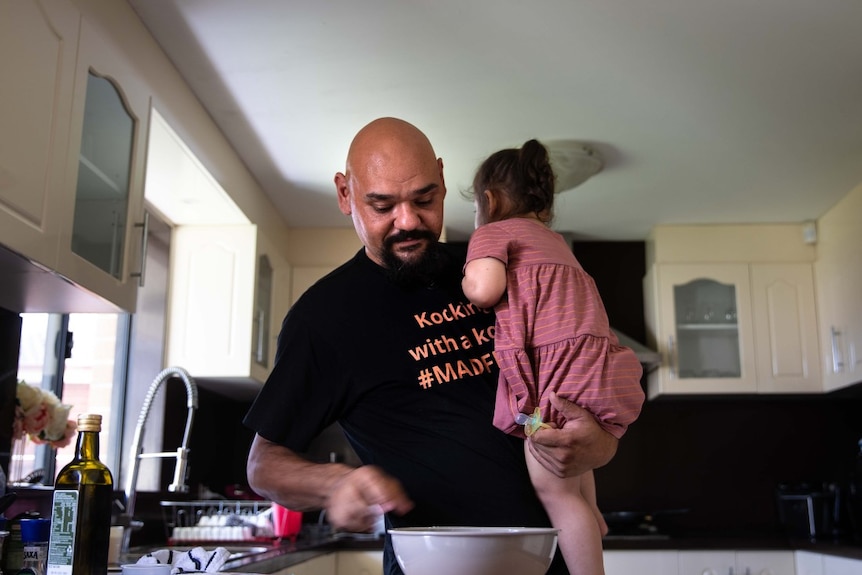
[
  {"x": 637, "y": 525},
  {"x": 636, "y": 537}
]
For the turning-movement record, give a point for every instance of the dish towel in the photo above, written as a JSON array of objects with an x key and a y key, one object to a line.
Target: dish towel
[{"x": 196, "y": 560}]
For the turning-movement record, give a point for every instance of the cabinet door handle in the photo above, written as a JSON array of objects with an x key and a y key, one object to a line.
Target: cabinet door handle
[
  {"x": 837, "y": 356},
  {"x": 145, "y": 235},
  {"x": 671, "y": 356},
  {"x": 261, "y": 334}
]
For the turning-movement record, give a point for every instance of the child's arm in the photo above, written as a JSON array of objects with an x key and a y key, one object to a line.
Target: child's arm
[{"x": 484, "y": 281}]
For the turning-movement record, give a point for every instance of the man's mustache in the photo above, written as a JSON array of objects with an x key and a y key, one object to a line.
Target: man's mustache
[{"x": 409, "y": 235}]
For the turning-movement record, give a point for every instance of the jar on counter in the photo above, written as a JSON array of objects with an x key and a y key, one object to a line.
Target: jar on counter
[{"x": 34, "y": 537}]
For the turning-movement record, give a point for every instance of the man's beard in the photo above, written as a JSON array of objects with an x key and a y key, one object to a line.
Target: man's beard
[{"x": 419, "y": 272}]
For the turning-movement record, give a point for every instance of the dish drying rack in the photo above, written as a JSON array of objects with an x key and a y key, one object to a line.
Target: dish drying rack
[{"x": 215, "y": 521}]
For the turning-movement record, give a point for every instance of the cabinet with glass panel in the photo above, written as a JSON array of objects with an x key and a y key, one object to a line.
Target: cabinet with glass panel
[
  {"x": 704, "y": 328},
  {"x": 102, "y": 238},
  {"x": 727, "y": 327}
]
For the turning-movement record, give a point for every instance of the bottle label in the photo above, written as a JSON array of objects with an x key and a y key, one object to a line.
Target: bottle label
[{"x": 64, "y": 519}]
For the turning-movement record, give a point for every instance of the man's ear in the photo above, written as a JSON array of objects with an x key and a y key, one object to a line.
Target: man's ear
[{"x": 343, "y": 194}]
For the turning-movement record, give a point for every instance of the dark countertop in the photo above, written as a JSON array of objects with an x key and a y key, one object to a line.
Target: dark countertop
[{"x": 284, "y": 555}]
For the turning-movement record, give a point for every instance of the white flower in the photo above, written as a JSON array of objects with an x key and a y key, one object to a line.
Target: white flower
[
  {"x": 28, "y": 396},
  {"x": 59, "y": 419},
  {"x": 41, "y": 415}
]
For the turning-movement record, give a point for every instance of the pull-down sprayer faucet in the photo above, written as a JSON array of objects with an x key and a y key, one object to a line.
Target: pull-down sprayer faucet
[{"x": 182, "y": 453}]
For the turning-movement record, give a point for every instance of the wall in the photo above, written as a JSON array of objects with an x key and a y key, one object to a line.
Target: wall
[
  {"x": 766, "y": 243},
  {"x": 315, "y": 252}
]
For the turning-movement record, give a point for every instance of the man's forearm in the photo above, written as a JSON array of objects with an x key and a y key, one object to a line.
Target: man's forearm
[{"x": 279, "y": 474}]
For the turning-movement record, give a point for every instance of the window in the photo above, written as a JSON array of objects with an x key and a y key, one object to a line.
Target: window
[{"x": 85, "y": 380}]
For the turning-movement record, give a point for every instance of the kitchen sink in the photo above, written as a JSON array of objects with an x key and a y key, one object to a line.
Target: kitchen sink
[{"x": 237, "y": 551}]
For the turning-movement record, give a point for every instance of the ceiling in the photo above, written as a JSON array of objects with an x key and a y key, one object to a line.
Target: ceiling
[{"x": 705, "y": 111}]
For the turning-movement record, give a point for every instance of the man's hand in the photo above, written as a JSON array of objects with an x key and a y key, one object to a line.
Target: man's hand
[
  {"x": 581, "y": 445},
  {"x": 353, "y": 498},
  {"x": 361, "y": 496}
]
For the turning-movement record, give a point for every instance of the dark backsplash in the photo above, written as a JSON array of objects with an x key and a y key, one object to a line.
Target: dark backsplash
[
  {"x": 719, "y": 457},
  {"x": 219, "y": 442}
]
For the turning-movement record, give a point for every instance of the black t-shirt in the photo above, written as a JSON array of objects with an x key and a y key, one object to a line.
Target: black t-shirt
[{"x": 409, "y": 375}]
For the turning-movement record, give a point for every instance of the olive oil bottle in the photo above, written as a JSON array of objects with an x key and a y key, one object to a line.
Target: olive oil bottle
[{"x": 81, "y": 510}]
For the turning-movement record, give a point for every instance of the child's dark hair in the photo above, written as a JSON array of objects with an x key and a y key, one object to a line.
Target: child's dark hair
[{"x": 524, "y": 175}]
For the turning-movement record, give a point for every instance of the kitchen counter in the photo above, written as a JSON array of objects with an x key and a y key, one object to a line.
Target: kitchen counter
[
  {"x": 282, "y": 555},
  {"x": 286, "y": 555}
]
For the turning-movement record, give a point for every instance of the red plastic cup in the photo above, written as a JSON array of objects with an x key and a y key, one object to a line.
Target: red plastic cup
[{"x": 286, "y": 523}]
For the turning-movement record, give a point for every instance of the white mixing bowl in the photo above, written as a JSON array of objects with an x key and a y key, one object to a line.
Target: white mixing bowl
[{"x": 474, "y": 550}]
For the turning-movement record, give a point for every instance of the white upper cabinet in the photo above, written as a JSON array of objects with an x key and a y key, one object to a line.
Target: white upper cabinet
[
  {"x": 839, "y": 291},
  {"x": 225, "y": 311},
  {"x": 785, "y": 325},
  {"x": 271, "y": 303},
  {"x": 101, "y": 240},
  {"x": 35, "y": 119},
  {"x": 704, "y": 329},
  {"x": 726, "y": 320}
]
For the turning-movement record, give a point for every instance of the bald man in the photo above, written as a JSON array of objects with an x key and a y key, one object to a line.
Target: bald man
[{"x": 388, "y": 346}]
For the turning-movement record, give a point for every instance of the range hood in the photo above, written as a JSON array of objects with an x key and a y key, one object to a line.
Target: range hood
[{"x": 650, "y": 359}]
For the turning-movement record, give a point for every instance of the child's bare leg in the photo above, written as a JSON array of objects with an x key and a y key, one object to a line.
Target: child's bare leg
[
  {"x": 588, "y": 490},
  {"x": 580, "y": 539}
]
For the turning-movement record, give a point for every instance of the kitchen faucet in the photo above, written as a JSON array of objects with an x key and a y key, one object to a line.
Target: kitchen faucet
[{"x": 182, "y": 453}]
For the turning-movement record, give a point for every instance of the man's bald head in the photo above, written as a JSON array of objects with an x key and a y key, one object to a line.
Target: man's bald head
[{"x": 388, "y": 143}]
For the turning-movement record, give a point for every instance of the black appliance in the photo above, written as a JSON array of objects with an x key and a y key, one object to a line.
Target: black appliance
[
  {"x": 656, "y": 524},
  {"x": 810, "y": 511}
]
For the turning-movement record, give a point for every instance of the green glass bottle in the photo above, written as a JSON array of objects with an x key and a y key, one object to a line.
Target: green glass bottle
[{"x": 81, "y": 510}]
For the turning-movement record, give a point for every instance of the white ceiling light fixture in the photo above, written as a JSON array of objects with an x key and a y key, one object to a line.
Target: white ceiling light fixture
[{"x": 573, "y": 162}]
